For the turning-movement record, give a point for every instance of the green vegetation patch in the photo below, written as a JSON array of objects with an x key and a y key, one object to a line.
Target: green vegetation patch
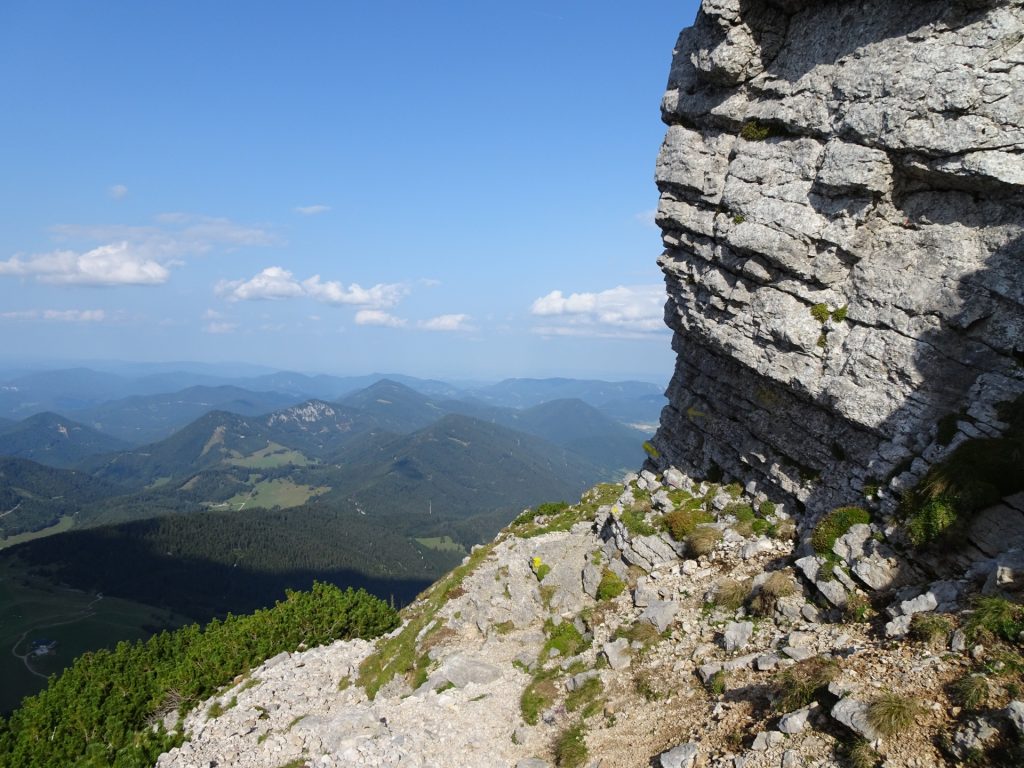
[
  {"x": 976, "y": 475},
  {"x": 538, "y": 695},
  {"x": 441, "y": 544},
  {"x": 274, "y": 455},
  {"x": 820, "y": 312},
  {"x": 680, "y": 523},
  {"x": 564, "y": 638},
  {"x": 571, "y": 746},
  {"x": 279, "y": 492},
  {"x": 835, "y": 524},
  {"x": 586, "y": 697},
  {"x": 804, "y": 682},
  {"x": 635, "y": 520},
  {"x": 78, "y": 720},
  {"x": 610, "y": 586},
  {"x": 397, "y": 655}
]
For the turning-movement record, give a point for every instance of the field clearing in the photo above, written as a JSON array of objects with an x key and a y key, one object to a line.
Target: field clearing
[
  {"x": 441, "y": 544},
  {"x": 65, "y": 524},
  {"x": 274, "y": 455},
  {"x": 31, "y": 609},
  {"x": 274, "y": 493}
]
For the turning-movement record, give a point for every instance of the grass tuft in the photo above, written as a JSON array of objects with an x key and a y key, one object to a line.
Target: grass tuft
[
  {"x": 779, "y": 584},
  {"x": 680, "y": 523},
  {"x": 835, "y": 524},
  {"x": 703, "y": 540},
  {"x": 730, "y": 593},
  {"x": 804, "y": 682},
  {"x": 571, "y": 747},
  {"x": 930, "y": 629},
  {"x": 610, "y": 586},
  {"x": 892, "y": 714},
  {"x": 972, "y": 691}
]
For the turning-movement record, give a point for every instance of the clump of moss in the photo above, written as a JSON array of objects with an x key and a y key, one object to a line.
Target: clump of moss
[
  {"x": 835, "y": 524},
  {"x": 754, "y": 130},
  {"x": 610, "y": 586},
  {"x": 804, "y": 682},
  {"x": 564, "y": 638},
  {"x": 892, "y": 714},
  {"x": 820, "y": 313},
  {"x": 650, "y": 450},
  {"x": 839, "y": 314},
  {"x": 703, "y": 540}
]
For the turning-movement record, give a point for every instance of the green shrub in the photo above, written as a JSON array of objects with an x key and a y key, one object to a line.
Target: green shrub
[
  {"x": 611, "y": 586},
  {"x": 835, "y": 524},
  {"x": 839, "y": 314},
  {"x": 754, "y": 130},
  {"x": 650, "y": 450},
  {"x": 892, "y": 714},
  {"x": 77, "y": 720},
  {"x": 571, "y": 747},
  {"x": 804, "y": 682}
]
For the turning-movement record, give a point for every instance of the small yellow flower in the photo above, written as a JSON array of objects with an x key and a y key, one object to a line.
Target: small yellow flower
[{"x": 535, "y": 563}]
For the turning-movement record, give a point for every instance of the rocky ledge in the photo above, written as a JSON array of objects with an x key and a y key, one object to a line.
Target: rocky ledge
[{"x": 662, "y": 622}]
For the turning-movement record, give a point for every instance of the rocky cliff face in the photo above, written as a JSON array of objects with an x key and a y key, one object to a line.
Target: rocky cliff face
[{"x": 842, "y": 205}]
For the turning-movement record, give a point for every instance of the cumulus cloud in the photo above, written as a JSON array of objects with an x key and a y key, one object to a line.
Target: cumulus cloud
[
  {"x": 279, "y": 283},
  {"x": 312, "y": 210},
  {"x": 270, "y": 284},
  {"x": 118, "y": 191},
  {"x": 620, "y": 311},
  {"x": 378, "y": 317},
  {"x": 130, "y": 255},
  {"x": 58, "y": 315},
  {"x": 333, "y": 292},
  {"x": 114, "y": 264},
  {"x": 454, "y": 322}
]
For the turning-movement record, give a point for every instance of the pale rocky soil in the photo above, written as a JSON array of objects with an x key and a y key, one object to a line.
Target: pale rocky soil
[{"x": 290, "y": 711}]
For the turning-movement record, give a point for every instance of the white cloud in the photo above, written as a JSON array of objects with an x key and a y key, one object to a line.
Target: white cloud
[
  {"x": 118, "y": 191},
  {"x": 623, "y": 310},
  {"x": 378, "y": 317},
  {"x": 114, "y": 264},
  {"x": 271, "y": 283},
  {"x": 447, "y": 323},
  {"x": 312, "y": 210},
  {"x": 333, "y": 292},
  {"x": 279, "y": 283},
  {"x": 130, "y": 255},
  {"x": 58, "y": 315}
]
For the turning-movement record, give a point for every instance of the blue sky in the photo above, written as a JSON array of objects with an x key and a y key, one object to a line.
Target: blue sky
[{"x": 446, "y": 189}]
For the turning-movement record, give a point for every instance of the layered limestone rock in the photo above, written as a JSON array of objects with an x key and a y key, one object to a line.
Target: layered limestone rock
[{"x": 842, "y": 205}]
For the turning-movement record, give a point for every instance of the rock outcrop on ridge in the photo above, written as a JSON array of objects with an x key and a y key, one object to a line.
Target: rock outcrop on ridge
[{"x": 842, "y": 205}]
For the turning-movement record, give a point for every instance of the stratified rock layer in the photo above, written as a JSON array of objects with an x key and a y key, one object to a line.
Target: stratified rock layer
[{"x": 842, "y": 204}]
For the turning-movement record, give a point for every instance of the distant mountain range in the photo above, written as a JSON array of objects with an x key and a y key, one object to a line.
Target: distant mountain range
[
  {"x": 55, "y": 440},
  {"x": 116, "y": 402}
]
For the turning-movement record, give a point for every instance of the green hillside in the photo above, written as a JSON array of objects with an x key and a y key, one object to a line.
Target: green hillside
[
  {"x": 55, "y": 440},
  {"x": 35, "y": 496},
  {"x": 395, "y": 407}
]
